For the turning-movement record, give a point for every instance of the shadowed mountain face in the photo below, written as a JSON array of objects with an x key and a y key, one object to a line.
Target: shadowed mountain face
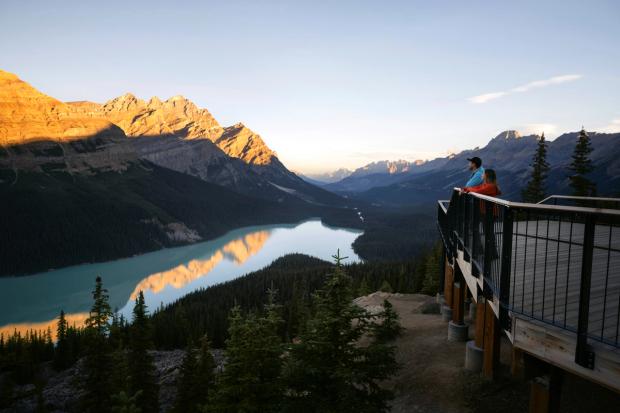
[
  {"x": 190, "y": 140},
  {"x": 508, "y": 153},
  {"x": 84, "y": 182},
  {"x": 38, "y": 132}
]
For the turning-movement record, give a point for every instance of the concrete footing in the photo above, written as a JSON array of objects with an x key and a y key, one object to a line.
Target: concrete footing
[
  {"x": 457, "y": 332},
  {"x": 472, "y": 312},
  {"x": 446, "y": 313},
  {"x": 440, "y": 299},
  {"x": 473, "y": 357}
]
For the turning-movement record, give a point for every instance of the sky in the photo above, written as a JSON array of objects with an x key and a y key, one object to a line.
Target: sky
[{"x": 332, "y": 84}]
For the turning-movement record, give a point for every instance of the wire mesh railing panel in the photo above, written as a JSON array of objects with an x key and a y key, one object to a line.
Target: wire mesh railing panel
[
  {"x": 558, "y": 265},
  {"x": 604, "y": 311}
]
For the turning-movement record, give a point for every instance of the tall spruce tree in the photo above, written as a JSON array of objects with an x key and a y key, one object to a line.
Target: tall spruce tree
[
  {"x": 535, "y": 189},
  {"x": 196, "y": 377},
  {"x": 97, "y": 363},
  {"x": 330, "y": 369},
  {"x": 250, "y": 382},
  {"x": 62, "y": 356},
  {"x": 389, "y": 327},
  {"x": 187, "y": 391},
  {"x": 142, "y": 374},
  {"x": 581, "y": 166},
  {"x": 204, "y": 371}
]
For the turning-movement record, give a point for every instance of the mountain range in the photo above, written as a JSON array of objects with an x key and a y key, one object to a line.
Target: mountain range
[
  {"x": 509, "y": 153},
  {"x": 83, "y": 182}
]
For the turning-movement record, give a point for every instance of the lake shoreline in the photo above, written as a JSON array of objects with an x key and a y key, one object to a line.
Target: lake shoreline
[
  {"x": 181, "y": 244},
  {"x": 165, "y": 275}
]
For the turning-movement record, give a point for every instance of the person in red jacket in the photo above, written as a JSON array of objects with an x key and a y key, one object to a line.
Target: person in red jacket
[{"x": 489, "y": 187}]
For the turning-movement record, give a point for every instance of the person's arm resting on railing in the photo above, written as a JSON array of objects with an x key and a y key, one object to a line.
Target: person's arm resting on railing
[{"x": 489, "y": 189}]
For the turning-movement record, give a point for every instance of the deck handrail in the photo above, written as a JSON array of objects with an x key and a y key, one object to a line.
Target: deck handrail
[
  {"x": 542, "y": 207},
  {"x": 579, "y": 198},
  {"x": 509, "y": 244}
]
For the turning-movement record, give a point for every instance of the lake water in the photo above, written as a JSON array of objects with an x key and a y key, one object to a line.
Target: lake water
[{"x": 34, "y": 301}]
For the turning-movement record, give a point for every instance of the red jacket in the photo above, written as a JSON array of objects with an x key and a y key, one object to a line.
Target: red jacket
[{"x": 484, "y": 189}]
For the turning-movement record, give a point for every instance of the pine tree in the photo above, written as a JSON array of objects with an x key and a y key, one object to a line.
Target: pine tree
[
  {"x": 582, "y": 166},
  {"x": 364, "y": 288},
  {"x": 62, "y": 356},
  {"x": 123, "y": 403},
  {"x": 432, "y": 271},
  {"x": 187, "y": 393},
  {"x": 204, "y": 371},
  {"x": 250, "y": 382},
  {"x": 97, "y": 363},
  {"x": 535, "y": 189},
  {"x": 330, "y": 369},
  {"x": 389, "y": 328},
  {"x": 386, "y": 287},
  {"x": 142, "y": 374},
  {"x": 195, "y": 380}
]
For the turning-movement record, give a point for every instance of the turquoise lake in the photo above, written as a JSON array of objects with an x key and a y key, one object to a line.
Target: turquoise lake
[{"x": 34, "y": 301}]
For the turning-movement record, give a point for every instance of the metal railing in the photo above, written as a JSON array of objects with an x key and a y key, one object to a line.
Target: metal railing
[
  {"x": 583, "y": 201},
  {"x": 559, "y": 264}
]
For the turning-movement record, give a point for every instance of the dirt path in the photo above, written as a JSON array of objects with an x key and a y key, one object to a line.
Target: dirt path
[{"x": 431, "y": 377}]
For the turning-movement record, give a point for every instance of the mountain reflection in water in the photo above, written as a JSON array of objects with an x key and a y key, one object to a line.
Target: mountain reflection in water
[{"x": 34, "y": 302}]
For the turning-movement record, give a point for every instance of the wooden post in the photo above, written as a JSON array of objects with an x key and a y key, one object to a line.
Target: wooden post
[
  {"x": 480, "y": 307},
  {"x": 516, "y": 363},
  {"x": 458, "y": 309},
  {"x": 490, "y": 359},
  {"x": 545, "y": 392},
  {"x": 448, "y": 285}
]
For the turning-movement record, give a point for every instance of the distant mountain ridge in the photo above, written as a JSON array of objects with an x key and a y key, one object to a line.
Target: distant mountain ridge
[
  {"x": 175, "y": 133},
  {"x": 85, "y": 182},
  {"x": 329, "y": 177},
  {"x": 509, "y": 153}
]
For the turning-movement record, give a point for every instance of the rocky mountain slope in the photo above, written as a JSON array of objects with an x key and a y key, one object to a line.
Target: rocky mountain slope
[
  {"x": 37, "y": 130},
  {"x": 83, "y": 182},
  {"x": 510, "y": 154},
  {"x": 176, "y": 134}
]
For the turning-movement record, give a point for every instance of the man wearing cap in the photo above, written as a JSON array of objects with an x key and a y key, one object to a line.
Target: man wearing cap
[{"x": 475, "y": 165}]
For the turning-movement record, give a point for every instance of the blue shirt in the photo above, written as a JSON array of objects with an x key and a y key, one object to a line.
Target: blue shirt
[{"x": 476, "y": 178}]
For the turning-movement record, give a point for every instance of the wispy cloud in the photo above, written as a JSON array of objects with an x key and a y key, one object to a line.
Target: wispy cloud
[
  {"x": 613, "y": 127},
  {"x": 549, "y": 129},
  {"x": 556, "y": 80}
]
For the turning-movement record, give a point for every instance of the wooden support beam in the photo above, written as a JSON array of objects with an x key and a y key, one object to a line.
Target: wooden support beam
[
  {"x": 479, "y": 334},
  {"x": 490, "y": 360},
  {"x": 458, "y": 309},
  {"x": 449, "y": 281},
  {"x": 545, "y": 392},
  {"x": 516, "y": 363}
]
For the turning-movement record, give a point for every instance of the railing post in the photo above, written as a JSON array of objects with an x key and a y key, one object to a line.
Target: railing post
[
  {"x": 504, "y": 280},
  {"x": 466, "y": 221},
  {"x": 488, "y": 244},
  {"x": 444, "y": 264},
  {"x": 583, "y": 354},
  {"x": 475, "y": 239},
  {"x": 458, "y": 220}
]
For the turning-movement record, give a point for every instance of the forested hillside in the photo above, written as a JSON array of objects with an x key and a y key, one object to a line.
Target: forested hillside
[{"x": 255, "y": 317}]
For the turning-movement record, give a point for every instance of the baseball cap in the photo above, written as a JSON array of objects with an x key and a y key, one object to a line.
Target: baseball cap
[{"x": 475, "y": 160}]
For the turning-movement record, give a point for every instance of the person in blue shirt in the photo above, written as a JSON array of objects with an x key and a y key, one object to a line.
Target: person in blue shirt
[{"x": 475, "y": 166}]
